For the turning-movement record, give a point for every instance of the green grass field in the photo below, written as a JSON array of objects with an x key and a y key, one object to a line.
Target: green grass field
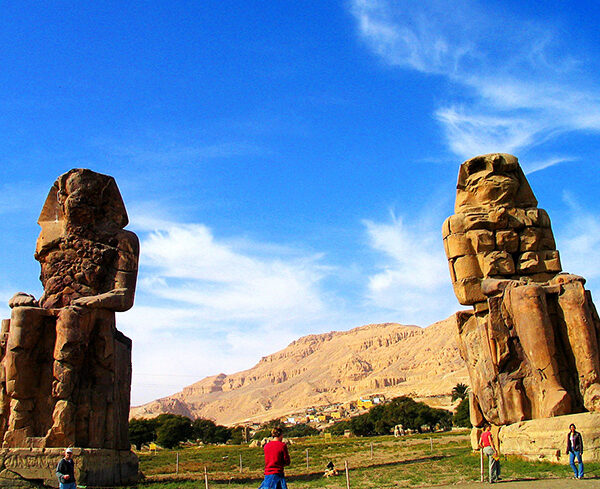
[{"x": 396, "y": 462}]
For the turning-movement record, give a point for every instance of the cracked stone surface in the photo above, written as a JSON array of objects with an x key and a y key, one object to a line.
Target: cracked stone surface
[
  {"x": 66, "y": 369},
  {"x": 530, "y": 341}
]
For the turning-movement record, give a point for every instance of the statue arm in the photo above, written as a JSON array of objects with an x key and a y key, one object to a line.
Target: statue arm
[
  {"x": 493, "y": 286},
  {"x": 120, "y": 297}
]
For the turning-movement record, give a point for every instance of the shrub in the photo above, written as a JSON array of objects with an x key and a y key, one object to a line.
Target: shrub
[
  {"x": 209, "y": 432},
  {"x": 300, "y": 429},
  {"x": 142, "y": 431},
  {"x": 237, "y": 435},
  {"x": 338, "y": 428},
  {"x": 173, "y": 430},
  {"x": 461, "y": 416},
  {"x": 381, "y": 419}
]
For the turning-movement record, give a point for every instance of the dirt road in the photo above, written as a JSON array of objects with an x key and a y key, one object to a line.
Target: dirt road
[{"x": 530, "y": 484}]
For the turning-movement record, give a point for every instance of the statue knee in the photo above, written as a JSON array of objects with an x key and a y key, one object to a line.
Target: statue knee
[
  {"x": 26, "y": 316},
  {"x": 528, "y": 292}
]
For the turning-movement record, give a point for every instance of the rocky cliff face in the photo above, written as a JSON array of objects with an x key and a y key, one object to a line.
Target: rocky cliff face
[{"x": 316, "y": 370}]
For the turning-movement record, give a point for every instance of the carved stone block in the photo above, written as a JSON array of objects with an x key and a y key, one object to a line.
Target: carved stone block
[
  {"x": 546, "y": 439},
  {"x": 529, "y": 263},
  {"x": 456, "y": 224},
  {"x": 458, "y": 245},
  {"x": 482, "y": 240},
  {"x": 530, "y": 239},
  {"x": 551, "y": 259},
  {"x": 468, "y": 291},
  {"x": 467, "y": 267},
  {"x": 507, "y": 241},
  {"x": 497, "y": 263},
  {"x": 547, "y": 241}
]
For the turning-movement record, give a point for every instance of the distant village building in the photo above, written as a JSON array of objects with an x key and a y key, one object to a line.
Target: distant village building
[{"x": 369, "y": 402}]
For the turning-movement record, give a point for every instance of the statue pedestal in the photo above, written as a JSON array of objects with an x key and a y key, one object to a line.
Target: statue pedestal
[
  {"x": 546, "y": 439},
  {"x": 94, "y": 467}
]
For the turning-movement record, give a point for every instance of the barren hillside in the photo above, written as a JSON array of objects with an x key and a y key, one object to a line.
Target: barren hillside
[{"x": 315, "y": 370}]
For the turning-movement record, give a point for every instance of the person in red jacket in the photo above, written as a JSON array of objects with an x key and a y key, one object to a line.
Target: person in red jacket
[
  {"x": 276, "y": 457},
  {"x": 486, "y": 443}
]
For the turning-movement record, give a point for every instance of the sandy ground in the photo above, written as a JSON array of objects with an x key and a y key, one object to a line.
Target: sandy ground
[{"x": 530, "y": 484}]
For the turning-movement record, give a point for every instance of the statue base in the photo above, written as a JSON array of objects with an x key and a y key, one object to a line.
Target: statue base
[
  {"x": 546, "y": 439},
  {"x": 94, "y": 467}
]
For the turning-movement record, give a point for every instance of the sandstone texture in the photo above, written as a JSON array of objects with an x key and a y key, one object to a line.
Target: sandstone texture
[
  {"x": 531, "y": 341},
  {"x": 36, "y": 467},
  {"x": 546, "y": 439},
  {"x": 325, "y": 369},
  {"x": 66, "y": 370}
]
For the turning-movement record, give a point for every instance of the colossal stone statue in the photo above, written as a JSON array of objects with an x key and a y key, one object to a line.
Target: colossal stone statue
[
  {"x": 531, "y": 341},
  {"x": 66, "y": 369}
]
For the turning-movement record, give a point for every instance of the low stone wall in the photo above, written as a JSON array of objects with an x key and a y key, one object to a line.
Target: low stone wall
[
  {"x": 546, "y": 439},
  {"x": 36, "y": 467}
]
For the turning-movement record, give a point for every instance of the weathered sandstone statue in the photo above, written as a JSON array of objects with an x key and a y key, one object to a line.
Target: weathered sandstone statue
[
  {"x": 531, "y": 341},
  {"x": 66, "y": 372}
]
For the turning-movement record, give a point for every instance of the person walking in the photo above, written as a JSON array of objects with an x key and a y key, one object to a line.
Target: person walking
[
  {"x": 575, "y": 451},
  {"x": 276, "y": 457},
  {"x": 65, "y": 471},
  {"x": 486, "y": 443}
]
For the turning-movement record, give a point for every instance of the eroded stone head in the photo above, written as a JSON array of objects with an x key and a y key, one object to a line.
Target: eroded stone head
[
  {"x": 80, "y": 198},
  {"x": 490, "y": 180}
]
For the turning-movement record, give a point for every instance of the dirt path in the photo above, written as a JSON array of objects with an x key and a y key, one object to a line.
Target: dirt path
[{"x": 529, "y": 484}]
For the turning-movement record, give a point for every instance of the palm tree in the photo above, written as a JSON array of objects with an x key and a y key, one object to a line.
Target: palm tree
[{"x": 460, "y": 391}]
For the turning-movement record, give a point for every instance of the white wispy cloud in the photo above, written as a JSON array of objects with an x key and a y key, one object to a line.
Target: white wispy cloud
[
  {"x": 514, "y": 88},
  {"x": 579, "y": 242},
  {"x": 404, "y": 35},
  {"x": 186, "y": 264},
  {"x": 182, "y": 348},
  {"x": 469, "y": 132},
  {"x": 413, "y": 282},
  {"x": 533, "y": 166},
  {"x": 206, "y": 304}
]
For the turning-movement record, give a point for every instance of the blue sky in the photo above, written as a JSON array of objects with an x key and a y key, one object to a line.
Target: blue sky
[{"x": 287, "y": 166}]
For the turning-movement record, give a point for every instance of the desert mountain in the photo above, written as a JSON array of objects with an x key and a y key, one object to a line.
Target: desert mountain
[{"x": 324, "y": 369}]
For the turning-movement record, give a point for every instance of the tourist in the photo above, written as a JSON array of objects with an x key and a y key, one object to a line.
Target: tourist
[
  {"x": 66, "y": 471},
  {"x": 276, "y": 457},
  {"x": 486, "y": 443},
  {"x": 575, "y": 451}
]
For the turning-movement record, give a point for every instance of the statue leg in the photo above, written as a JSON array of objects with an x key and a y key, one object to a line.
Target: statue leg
[
  {"x": 73, "y": 329},
  {"x": 581, "y": 332},
  {"x": 528, "y": 309},
  {"x": 102, "y": 363},
  {"x": 21, "y": 371}
]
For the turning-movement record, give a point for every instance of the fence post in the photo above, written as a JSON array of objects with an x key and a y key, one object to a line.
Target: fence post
[
  {"x": 205, "y": 478},
  {"x": 240, "y": 462},
  {"x": 307, "y": 458},
  {"x": 371, "y": 450},
  {"x": 431, "y": 443},
  {"x": 177, "y": 463},
  {"x": 481, "y": 463},
  {"x": 347, "y": 474}
]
